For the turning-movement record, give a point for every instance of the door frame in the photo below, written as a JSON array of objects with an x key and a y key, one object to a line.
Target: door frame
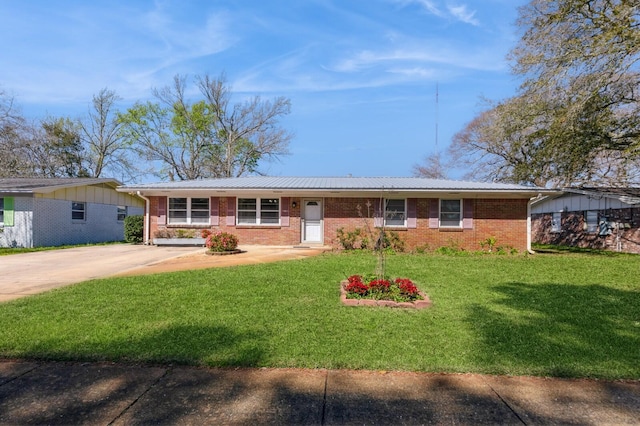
[{"x": 303, "y": 221}]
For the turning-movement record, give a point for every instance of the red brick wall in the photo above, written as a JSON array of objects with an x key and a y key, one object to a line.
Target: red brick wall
[
  {"x": 263, "y": 235},
  {"x": 573, "y": 231},
  {"x": 504, "y": 219}
]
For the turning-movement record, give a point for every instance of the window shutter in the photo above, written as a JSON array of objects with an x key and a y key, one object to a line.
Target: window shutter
[
  {"x": 434, "y": 210},
  {"x": 8, "y": 211},
  {"x": 378, "y": 212},
  {"x": 467, "y": 214},
  {"x": 162, "y": 210},
  {"x": 284, "y": 211},
  {"x": 215, "y": 211},
  {"x": 412, "y": 214},
  {"x": 231, "y": 211}
]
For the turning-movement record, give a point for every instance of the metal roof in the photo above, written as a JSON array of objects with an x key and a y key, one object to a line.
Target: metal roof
[
  {"x": 39, "y": 185},
  {"x": 332, "y": 184}
]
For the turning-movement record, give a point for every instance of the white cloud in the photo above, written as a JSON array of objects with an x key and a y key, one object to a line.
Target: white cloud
[
  {"x": 128, "y": 48},
  {"x": 461, "y": 13},
  {"x": 415, "y": 72},
  {"x": 428, "y": 5},
  {"x": 176, "y": 42},
  {"x": 366, "y": 69},
  {"x": 458, "y": 12},
  {"x": 429, "y": 52}
]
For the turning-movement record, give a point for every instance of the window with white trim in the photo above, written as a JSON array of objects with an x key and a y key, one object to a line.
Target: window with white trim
[
  {"x": 122, "y": 213},
  {"x": 189, "y": 210},
  {"x": 258, "y": 211},
  {"x": 395, "y": 212},
  {"x": 451, "y": 213},
  {"x": 591, "y": 219},
  {"x": 78, "y": 210},
  {"x": 556, "y": 222}
]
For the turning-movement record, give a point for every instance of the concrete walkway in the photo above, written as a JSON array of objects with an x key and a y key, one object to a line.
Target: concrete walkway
[{"x": 110, "y": 394}]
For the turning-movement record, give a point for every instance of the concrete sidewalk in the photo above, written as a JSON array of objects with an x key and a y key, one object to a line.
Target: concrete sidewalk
[{"x": 75, "y": 393}]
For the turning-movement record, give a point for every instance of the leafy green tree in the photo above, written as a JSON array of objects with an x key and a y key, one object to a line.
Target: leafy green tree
[
  {"x": 60, "y": 151},
  {"x": 576, "y": 117},
  {"x": 209, "y": 137},
  {"x": 585, "y": 53}
]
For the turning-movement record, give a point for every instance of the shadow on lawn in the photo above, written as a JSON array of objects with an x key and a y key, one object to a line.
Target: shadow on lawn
[
  {"x": 189, "y": 344},
  {"x": 560, "y": 330},
  {"x": 175, "y": 344}
]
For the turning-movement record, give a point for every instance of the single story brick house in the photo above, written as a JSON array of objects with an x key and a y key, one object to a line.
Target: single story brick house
[
  {"x": 38, "y": 212},
  {"x": 310, "y": 210},
  {"x": 600, "y": 218}
]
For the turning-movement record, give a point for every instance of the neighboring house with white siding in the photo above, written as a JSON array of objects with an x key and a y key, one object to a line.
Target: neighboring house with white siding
[
  {"x": 601, "y": 218},
  {"x": 38, "y": 212}
]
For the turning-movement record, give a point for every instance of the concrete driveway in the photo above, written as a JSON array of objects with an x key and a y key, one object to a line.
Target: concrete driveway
[{"x": 30, "y": 273}]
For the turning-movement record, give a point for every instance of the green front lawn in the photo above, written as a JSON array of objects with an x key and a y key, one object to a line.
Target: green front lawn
[{"x": 570, "y": 315}]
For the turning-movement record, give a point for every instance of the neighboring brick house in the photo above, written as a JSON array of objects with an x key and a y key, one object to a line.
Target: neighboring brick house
[
  {"x": 601, "y": 218},
  {"x": 38, "y": 212},
  {"x": 307, "y": 210}
]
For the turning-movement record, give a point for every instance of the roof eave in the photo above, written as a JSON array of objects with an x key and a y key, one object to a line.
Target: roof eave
[
  {"x": 329, "y": 192},
  {"x": 47, "y": 189},
  {"x": 113, "y": 183},
  {"x": 627, "y": 199}
]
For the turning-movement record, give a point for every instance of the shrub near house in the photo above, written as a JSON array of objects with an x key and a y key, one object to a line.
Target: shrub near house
[
  {"x": 220, "y": 241},
  {"x": 133, "y": 229}
]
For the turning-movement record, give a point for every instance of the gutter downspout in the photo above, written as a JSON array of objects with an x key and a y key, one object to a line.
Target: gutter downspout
[
  {"x": 147, "y": 220},
  {"x": 529, "y": 226}
]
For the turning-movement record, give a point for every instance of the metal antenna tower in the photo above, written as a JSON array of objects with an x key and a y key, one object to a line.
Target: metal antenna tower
[{"x": 437, "y": 116}]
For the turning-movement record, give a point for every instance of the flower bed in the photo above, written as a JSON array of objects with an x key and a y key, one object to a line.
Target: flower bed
[{"x": 399, "y": 293}]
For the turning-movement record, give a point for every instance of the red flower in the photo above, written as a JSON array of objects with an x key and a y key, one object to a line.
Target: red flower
[
  {"x": 379, "y": 285},
  {"x": 355, "y": 279},
  {"x": 406, "y": 286},
  {"x": 357, "y": 287}
]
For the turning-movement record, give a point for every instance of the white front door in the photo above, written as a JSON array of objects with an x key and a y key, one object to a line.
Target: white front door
[{"x": 312, "y": 221}]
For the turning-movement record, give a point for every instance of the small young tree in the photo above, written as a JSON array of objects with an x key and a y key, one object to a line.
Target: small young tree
[{"x": 376, "y": 234}]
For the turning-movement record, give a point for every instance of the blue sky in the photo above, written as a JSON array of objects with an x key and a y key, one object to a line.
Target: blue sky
[{"x": 361, "y": 74}]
